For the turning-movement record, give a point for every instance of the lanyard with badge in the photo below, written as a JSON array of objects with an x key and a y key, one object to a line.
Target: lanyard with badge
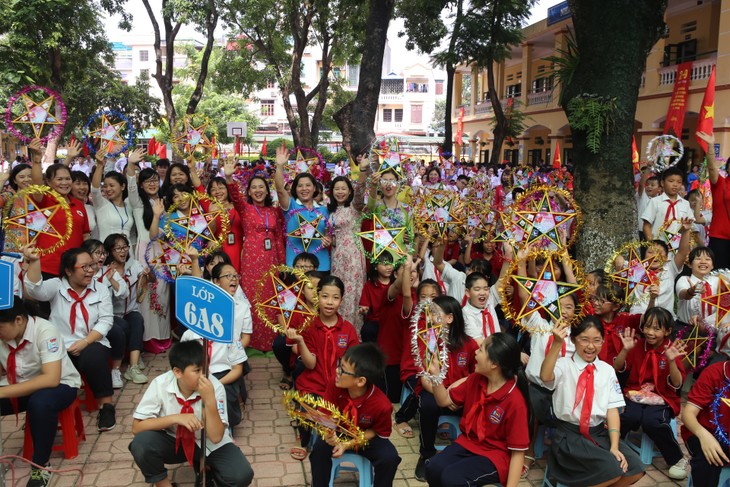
[
  {"x": 267, "y": 240},
  {"x": 231, "y": 236}
]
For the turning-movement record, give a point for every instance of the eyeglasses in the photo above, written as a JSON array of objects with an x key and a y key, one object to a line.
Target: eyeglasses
[
  {"x": 230, "y": 277},
  {"x": 99, "y": 252},
  {"x": 341, "y": 371},
  {"x": 385, "y": 183},
  {"x": 87, "y": 267},
  {"x": 304, "y": 267},
  {"x": 598, "y": 301},
  {"x": 585, "y": 341},
  {"x": 151, "y": 181},
  {"x": 121, "y": 249}
]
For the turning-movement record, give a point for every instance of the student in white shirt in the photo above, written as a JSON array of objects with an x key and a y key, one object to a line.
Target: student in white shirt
[
  {"x": 171, "y": 408},
  {"x": 81, "y": 309},
  {"x": 586, "y": 398},
  {"x": 648, "y": 189},
  {"x": 42, "y": 381},
  {"x": 666, "y": 207},
  {"x": 480, "y": 316},
  {"x": 453, "y": 279}
]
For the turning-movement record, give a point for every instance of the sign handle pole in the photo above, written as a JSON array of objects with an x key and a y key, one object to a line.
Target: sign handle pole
[{"x": 203, "y": 442}]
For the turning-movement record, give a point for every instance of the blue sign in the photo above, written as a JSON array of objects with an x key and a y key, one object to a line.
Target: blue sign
[
  {"x": 558, "y": 13},
  {"x": 717, "y": 150},
  {"x": 204, "y": 308},
  {"x": 6, "y": 284}
]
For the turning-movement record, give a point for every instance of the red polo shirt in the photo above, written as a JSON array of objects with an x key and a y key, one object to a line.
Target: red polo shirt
[
  {"x": 80, "y": 226},
  {"x": 374, "y": 295},
  {"x": 392, "y": 329},
  {"x": 658, "y": 375},
  {"x": 328, "y": 344},
  {"x": 461, "y": 361},
  {"x": 372, "y": 410},
  {"x": 492, "y": 424},
  {"x": 702, "y": 394},
  {"x": 612, "y": 344}
]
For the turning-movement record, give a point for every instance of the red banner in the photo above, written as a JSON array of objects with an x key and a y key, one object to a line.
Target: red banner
[
  {"x": 678, "y": 103},
  {"x": 263, "y": 148},
  {"x": 459, "y": 127}
]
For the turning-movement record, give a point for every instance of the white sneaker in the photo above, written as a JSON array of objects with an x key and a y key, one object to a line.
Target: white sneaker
[
  {"x": 117, "y": 379},
  {"x": 140, "y": 364},
  {"x": 133, "y": 374},
  {"x": 678, "y": 471}
]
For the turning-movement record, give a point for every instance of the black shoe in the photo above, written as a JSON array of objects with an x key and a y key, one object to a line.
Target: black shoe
[
  {"x": 421, "y": 469},
  {"x": 209, "y": 482},
  {"x": 39, "y": 478},
  {"x": 106, "y": 420}
]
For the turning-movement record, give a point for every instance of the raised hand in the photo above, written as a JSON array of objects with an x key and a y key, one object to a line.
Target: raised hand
[
  {"x": 136, "y": 155},
  {"x": 158, "y": 208},
  {"x": 560, "y": 332},
  {"x": 73, "y": 150},
  {"x": 282, "y": 155},
  {"x": 229, "y": 168},
  {"x": 628, "y": 338},
  {"x": 676, "y": 349}
]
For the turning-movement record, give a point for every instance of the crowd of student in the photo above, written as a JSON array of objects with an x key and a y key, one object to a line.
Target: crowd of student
[{"x": 94, "y": 303}]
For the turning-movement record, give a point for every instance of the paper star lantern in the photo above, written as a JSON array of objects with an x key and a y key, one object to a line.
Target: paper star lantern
[
  {"x": 480, "y": 220},
  {"x": 165, "y": 261},
  {"x": 288, "y": 300},
  {"x": 636, "y": 274},
  {"x": 541, "y": 219},
  {"x": 696, "y": 344},
  {"x": 437, "y": 212},
  {"x": 391, "y": 158},
  {"x": 203, "y": 224},
  {"x": 196, "y": 135},
  {"x": 721, "y": 300},
  {"x": 323, "y": 417},
  {"x": 384, "y": 239},
  {"x": 663, "y": 152},
  {"x": 111, "y": 129},
  {"x": 544, "y": 291},
  {"x": 24, "y": 221},
  {"x": 307, "y": 231},
  {"x": 37, "y": 111},
  {"x": 429, "y": 337}
]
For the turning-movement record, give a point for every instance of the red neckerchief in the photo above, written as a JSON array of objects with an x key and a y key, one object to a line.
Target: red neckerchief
[
  {"x": 550, "y": 344},
  {"x": 477, "y": 414},
  {"x": 184, "y": 435},
  {"x": 78, "y": 301},
  {"x": 487, "y": 320},
  {"x": 13, "y": 373},
  {"x": 671, "y": 210},
  {"x": 585, "y": 392},
  {"x": 330, "y": 348},
  {"x": 464, "y": 300},
  {"x": 440, "y": 282}
]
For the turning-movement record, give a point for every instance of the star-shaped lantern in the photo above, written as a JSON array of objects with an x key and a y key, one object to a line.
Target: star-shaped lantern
[
  {"x": 384, "y": 239},
  {"x": 307, "y": 230},
  {"x": 300, "y": 164},
  {"x": 636, "y": 274},
  {"x": 695, "y": 343},
  {"x": 542, "y": 223},
  {"x": 391, "y": 158},
  {"x": 437, "y": 211},
  {"x": 24, "y": 221},
  {"x": 206, "y": 224},
  {"x": 168, "y": 261},
  {"x": 288, "y": 299},
  {"x": 670, "y": 233},
  {"x": 192, "y": 136},
  {"x": 38, "y": 114},
  {"x": 544, "y": 292},
  {"x": 721, "y": 300},
  {"x": 109, "y": 133}
]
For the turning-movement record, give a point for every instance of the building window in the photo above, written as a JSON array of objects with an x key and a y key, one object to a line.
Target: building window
[
  {"x": 144, "y": 56},
  {"x": 680, "y": 53},
  {"x": 514, "y": 91},
  {"x": 387, "y": 115},
  {"x": 270, "y": 84},
  {"x": 439, "y": 87},
  {"x": 417, "y": 87},
  {"x": 391, "y": 86},
  {"x": 267, "y": 108},
  {"x": 398, "y": 115},
  {"x": 353, "y": 75},
  {"x": 416, "y": 113},
  {"x": 540, "y": 85}
]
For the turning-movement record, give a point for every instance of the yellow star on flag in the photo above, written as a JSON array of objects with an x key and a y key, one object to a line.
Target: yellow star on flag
[
  {"x": 544, "y": 292},
  {"x": 38, "y": 114},
  {"x": 709, "y": 111}
]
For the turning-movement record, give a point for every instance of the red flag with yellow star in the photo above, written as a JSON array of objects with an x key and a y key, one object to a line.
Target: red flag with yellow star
[
  {"x": 635, "y": 156},
  {"x": 707, "y": 112},
  {"x": 557, "y": 161}
]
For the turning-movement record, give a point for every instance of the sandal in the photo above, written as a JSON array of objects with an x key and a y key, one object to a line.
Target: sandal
[
  {"x": 298, "y": 453},
  {"x": 525, "y": 467},
  {"x": 285, "y": 384},
  {"x": 405, "y": 431}
]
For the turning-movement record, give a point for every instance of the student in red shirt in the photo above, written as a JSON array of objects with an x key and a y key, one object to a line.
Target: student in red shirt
[
  {"x": 373, "y": 296},
  {"x": 656, "y": 374},
  {"x": 709, "y": 454},
  {"x": 355, "y": 395},
  {"x": 321, "y": 346},
  {"x": 462, "y": 360},
  {"x": 494, "y": 424}
]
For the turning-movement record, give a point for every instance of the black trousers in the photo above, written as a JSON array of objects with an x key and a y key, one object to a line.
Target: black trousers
[
  {"x": 380, "y": 451},
  {"x": 233, "y": 391},
  {"x": 704, "y": 474},
  {"x": 93, "y": 362},
  {"x": 428, "y": 418},
  {"x": 654, "y": 421},
  {"x": 410, "y": 406}
]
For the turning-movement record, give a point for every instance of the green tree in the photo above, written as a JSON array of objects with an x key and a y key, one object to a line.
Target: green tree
[
  {"x": 438, "y": 123},
  {"x": 272, "y": 38},
  {"x": 613, "y": 41}
]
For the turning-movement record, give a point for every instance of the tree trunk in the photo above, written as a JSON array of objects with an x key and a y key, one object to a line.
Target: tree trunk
[
  {"x": 357, "y": 119},
  {"x": 448, "y": 130},
  {"x": 211, "y": 21},
  {"x": 613, "y": 39},
  {"x": 501, "y": 120}
]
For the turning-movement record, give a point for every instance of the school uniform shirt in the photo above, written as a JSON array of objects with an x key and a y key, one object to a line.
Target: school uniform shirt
[
  {"x": 642, "y": 200},
  {"x": 50, "y": 263},
  {"x": 111, "y": 218},
  {"x": 661, "y": 209},
  {"x": 607, "y": 391},
  {"x": 374, "y": 294},
  {"x": 462, "y": 361},
  {"x": 44, "y": 346},
  {"x": 242, "y": 321},
  {"x": 392, "y": 329},
  {"x": 122, "y": 291},
  {"x": 665, "y": 300},
  {"x": 160, "y": 400},
  {"x": 98, "y": 304},
  {"x": 655, "y": 368},
  {"x": 540, "y": 344},
  {"x": 371, "y": 411},
  {"x": 687, "y": 308},
  {"x": 328, "y": 344},
  {"x": 476, "y": 322},
  {"x": 492, "y": 424},
  {"x": 221, "y": 356},
  {"x": 702, "y": 395},
  {"x": 455, "y": 282},
  {"x": 132, "y": 272},
  {"x": 612, "y": 343}
]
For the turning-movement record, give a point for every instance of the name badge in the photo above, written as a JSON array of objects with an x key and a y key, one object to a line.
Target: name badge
[
  {"x": 267, "y": 244},
  {"x": 231, "y": 238}
]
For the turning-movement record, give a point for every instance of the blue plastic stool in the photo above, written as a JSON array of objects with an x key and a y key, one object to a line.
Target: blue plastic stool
[
  {"x": 646, "y": 450},
  {"x": 540, "y": 440},
  {"x": 405, "y": 392},
  {"x": 723, "y": 482},
  {"x": 361, "y": 464},
  {"x": 454, "y": 431},
  {"x": 546, "y": 481}
]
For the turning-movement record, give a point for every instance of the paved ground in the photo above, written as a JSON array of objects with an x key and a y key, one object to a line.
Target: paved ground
[{"x": 264, "y": 436}]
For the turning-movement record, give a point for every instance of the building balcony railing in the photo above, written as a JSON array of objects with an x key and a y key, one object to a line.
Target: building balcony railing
[
  {"x": 700, "y": 70},
  {"x": 542, "y": 98},
  {"x": 391, "y": 97}
]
